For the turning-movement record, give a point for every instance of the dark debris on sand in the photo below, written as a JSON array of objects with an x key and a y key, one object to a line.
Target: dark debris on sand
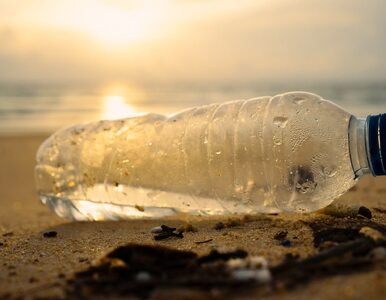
[
  {"x": 352, "y": 244},
  {"x": 345, "y": 211},
  {"x": 281, "y": 235},
  {"x": 50, "y": 234},
  {"x": 344, "y": 246},
  {"x": 167, "y": 232},
  {"x": 138, "y": 270}
]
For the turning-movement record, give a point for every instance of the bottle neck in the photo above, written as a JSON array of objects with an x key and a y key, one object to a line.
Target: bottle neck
[
  {"x": 358, "y": 147},
  {"x": 367, "y": 142}
]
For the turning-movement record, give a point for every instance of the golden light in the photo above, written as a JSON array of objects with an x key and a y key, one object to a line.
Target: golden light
[
  {"x": 113, "y": 26},
  {"x": 116, "y": 101},
  {"x": 115, "y": 107}
]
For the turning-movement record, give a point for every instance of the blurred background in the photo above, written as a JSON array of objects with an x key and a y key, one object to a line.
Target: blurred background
[{"x": 72, "y": 61}]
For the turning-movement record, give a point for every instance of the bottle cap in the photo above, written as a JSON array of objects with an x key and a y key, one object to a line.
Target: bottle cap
[{"x": 376, "y": 142}]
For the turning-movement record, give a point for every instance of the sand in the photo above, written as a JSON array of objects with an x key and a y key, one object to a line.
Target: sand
[{"x": 31, "y": 264}]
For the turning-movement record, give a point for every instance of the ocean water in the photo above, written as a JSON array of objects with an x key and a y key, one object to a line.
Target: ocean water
[{"x": 32, "y": 108}]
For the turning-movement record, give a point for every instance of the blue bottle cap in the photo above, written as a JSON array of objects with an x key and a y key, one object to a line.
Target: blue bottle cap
[{"x": 376, "y": 142}]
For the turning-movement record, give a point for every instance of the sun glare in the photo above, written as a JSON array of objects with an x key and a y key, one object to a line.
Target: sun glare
[
  {"x": 113, "y": 25},
  {"x": 115, "y": 107},
  {"x": 117, "y": 98}
]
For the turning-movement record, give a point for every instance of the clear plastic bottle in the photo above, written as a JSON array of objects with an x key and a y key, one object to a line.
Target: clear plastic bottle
[{"x": 290, "y": 152}]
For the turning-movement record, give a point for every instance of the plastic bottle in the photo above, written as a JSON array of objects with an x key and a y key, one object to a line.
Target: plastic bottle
[{"x": 291, "y": 152}]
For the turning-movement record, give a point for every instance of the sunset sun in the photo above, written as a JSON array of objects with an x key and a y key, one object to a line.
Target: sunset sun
[{"x": 114, "y": 26}]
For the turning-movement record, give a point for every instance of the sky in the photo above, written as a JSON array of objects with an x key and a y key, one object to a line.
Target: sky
[{"x": 203, "y": 41}]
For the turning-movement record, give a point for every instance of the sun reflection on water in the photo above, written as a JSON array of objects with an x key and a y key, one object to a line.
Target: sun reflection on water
[
  {"x": 115, "y": 107},
  {"x": 118, "y": 101}
]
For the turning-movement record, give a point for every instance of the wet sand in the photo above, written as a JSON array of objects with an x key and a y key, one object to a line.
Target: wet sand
[{"x": 31, "y": 265}]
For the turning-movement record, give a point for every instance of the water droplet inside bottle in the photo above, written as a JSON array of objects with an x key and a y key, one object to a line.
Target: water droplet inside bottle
[
  {"x": 302, "y": 179},
  {"x": 218, "y": 152},
  {"x": 280, "y": 121},
  {"x": 299, "y": 100},
  {"x": 329, "y": 171},
  {"x": 238, "y": 188},
  {"x": 153, "y": 194},
  {"x": 71, "y": 183},
  {"x": 305, "y": 187},
  {"x": 277, "y": 140}
]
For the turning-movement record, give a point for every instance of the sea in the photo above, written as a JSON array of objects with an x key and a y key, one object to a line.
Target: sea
[{"x": 30, "y": 108}]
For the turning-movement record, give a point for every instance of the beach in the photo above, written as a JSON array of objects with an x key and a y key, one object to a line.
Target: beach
[
  {"x": 32, "y": 265},
  {"x": 236, "y": 106}
]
